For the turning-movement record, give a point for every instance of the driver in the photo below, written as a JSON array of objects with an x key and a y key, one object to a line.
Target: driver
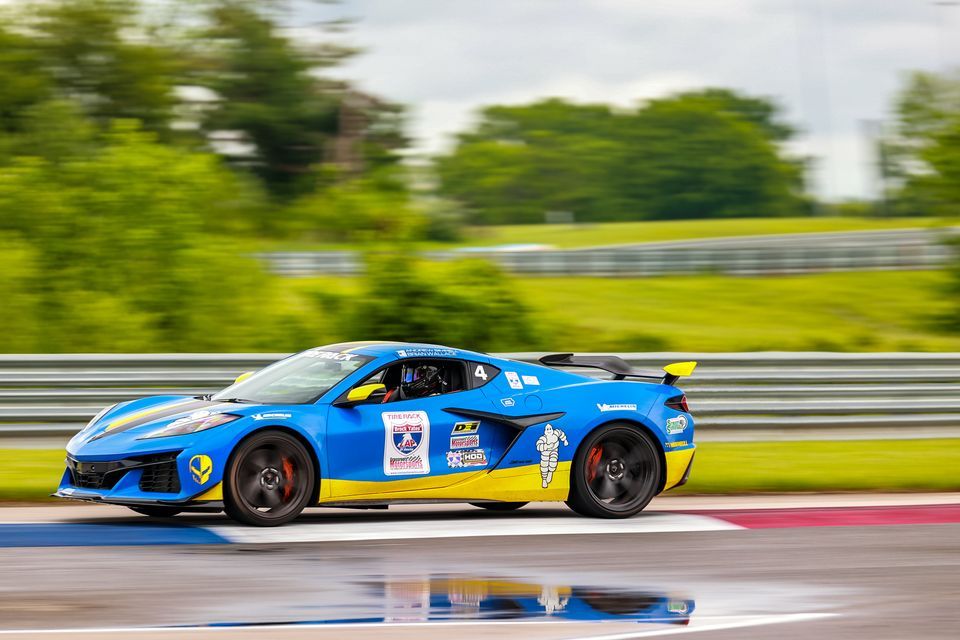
[{"x": 421, "y": 381}]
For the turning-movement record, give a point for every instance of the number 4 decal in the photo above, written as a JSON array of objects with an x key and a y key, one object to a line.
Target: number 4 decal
[{"x": 480, "y": 373}]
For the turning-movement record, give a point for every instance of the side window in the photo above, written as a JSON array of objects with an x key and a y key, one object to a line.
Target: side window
[
  {"x": 411, "y": 379},
  {"x": 480, "y": 374}
]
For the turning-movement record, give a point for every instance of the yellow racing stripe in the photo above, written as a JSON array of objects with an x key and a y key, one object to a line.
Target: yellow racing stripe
[
  {"x": 119, "y": 422},
  {"x": 516, "y": 484}
]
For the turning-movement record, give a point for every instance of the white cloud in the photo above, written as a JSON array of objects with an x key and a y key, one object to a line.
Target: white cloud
[{"x": 831, "y": 63}]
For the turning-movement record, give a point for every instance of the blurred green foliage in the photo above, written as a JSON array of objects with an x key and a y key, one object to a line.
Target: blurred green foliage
[
  {"x": 921, "y": 160},
  {"x": 706, "y": 154},
  {"x": 147, "y": 149},
  {"x": 921, "y": 152},
  {"x": 469, "y": 303}
]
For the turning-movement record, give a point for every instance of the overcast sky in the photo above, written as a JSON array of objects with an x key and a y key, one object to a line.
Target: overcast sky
[{"x": 832, "y": 64}]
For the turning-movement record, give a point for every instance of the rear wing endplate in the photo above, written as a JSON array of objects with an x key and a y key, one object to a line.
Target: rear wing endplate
[{"x": 619, "y": 367}]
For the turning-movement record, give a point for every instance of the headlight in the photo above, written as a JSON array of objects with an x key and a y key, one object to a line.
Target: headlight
[
  {"x": 95, "y": 419},
  {"x": 199, "y": 421}
]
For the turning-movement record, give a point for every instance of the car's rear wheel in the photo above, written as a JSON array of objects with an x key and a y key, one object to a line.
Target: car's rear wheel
[
  {"x": 615, "y": 473},
  {"x": 156, "y": 511},
  {"x": 269, "y": 480},
  {"x": 499, "y": 506}
]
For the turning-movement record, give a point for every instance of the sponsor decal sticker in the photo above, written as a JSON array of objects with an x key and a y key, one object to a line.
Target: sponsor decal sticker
[
  {"x": 549, "y": 447},
  {"x": 617, "y": 407},
  {"x": 426, "y": 353},
  {"x": 678, "y": 443},
  {"x": 406, "y": 443},
  {"x": 677, "y": 606},
  {"x": 507, "y": 402},
  {"x": 329, "y": 355},
  {"x": 464, "y": 442},
  {"x": 463, "y": 428},
  {"x": 513, "y": 379},
  {"x": 531, "y": 380},
  {"x": 271, "y": 416},
  {"x": 471, "y": 458},
  {"x": 676, "y": 425},
  {"x": 201, "y": 466}
]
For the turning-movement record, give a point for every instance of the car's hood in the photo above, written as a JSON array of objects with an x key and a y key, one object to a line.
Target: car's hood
[{"x": 140, "y": 417}]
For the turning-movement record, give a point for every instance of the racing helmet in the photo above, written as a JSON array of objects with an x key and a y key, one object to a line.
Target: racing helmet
[{"x": 421, "y": 381}]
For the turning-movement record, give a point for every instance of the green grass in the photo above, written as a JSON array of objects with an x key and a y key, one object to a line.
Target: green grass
[
  {"x": 850, "y": 311},
  {"x": 608, "y": 233},
  {"x": 719, "y": 467},
  {"x": 30, "y": 474},
  {"x": 585, "y": 235},
  {"x": 874, "y": 465},
  {"x": 854, "y": 311}
]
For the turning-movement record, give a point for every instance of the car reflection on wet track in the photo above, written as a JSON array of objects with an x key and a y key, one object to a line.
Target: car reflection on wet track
[{"x": 445, "y": 599}]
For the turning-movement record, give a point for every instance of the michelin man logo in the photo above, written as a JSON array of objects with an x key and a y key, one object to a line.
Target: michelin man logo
[{"x": 549, "y": 447}]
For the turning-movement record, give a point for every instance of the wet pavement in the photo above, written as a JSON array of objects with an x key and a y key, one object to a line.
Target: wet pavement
[{"x": 849, "y": 582}]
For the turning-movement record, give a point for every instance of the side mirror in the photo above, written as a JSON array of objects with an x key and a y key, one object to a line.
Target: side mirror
[
  {"x": 243, "y": 376},
  {"x": 366, "y": 394}
]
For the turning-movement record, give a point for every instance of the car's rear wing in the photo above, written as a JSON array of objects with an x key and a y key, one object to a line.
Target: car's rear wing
[{"x": 619, "y": 367}]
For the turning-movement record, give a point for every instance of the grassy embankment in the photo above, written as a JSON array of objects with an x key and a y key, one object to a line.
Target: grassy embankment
[
  {"x": 565, "y": 236},
  {"x": 853, "y": 311}
]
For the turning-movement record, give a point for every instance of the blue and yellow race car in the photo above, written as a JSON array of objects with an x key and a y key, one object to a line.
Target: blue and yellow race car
[{"x": 364, "y": 424}]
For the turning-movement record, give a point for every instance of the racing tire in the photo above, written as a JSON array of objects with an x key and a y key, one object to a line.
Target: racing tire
[
  {"x": 156, "y": 511},
  {"x": 499, "y": 506},
  {"x": 616, "y": 472},
  {"x": 269, "y": 480}
]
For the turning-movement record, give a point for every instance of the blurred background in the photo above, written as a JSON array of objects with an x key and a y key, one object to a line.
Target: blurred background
[
  {"x": 259, "y": 177},
  {"x": 191, "y": 189}
]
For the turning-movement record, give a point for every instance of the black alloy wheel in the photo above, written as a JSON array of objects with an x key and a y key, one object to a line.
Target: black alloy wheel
[
  {"x": 269, "y": 480},
  {"x": 615, "y": 474}
]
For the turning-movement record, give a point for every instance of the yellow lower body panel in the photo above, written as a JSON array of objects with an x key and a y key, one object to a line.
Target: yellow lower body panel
[
  {"x": 517, "y": 484},
  {"x": 677, "y": 463},
  {"x": 213, "y": 493}
]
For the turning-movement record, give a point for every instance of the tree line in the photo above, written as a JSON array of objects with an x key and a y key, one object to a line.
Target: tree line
[{"x": 145, "y": 148}]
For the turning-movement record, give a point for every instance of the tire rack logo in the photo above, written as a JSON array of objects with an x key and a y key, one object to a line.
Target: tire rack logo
[
  {"x": 471, "y": 458},
  {"x": 406, "y": 443},
  {"x": 201, "y": 466}
]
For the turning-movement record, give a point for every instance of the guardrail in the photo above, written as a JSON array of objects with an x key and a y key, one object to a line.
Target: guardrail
[
  {"x": 54, "y": 395},
  {"x": 900, "y": 249}
]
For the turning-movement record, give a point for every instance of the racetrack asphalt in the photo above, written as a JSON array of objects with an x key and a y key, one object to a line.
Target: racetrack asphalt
[{"x": 856, "y": 582}]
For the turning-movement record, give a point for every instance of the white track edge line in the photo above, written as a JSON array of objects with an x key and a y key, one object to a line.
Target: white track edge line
[{"x": 722, "y": 622}]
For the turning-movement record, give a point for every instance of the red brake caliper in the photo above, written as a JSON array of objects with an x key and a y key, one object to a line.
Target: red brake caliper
[
  {"x": 287, "y": 478},
  {"x": 592, "y": 461}
]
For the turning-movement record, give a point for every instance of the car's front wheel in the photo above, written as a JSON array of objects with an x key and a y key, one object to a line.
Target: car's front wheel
[
  {"x": 615, "y": 473},
  {"x": 269, "y": 480}
]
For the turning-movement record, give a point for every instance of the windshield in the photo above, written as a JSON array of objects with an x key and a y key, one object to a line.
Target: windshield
[{"x": 299, "y": 379}]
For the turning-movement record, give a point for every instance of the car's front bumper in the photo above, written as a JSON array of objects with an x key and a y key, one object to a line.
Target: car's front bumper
[{"x": 157, "y": 479}]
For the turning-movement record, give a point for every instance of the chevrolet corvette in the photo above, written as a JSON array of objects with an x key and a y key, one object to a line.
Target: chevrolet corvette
[{"x": 366, "y": 424}]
